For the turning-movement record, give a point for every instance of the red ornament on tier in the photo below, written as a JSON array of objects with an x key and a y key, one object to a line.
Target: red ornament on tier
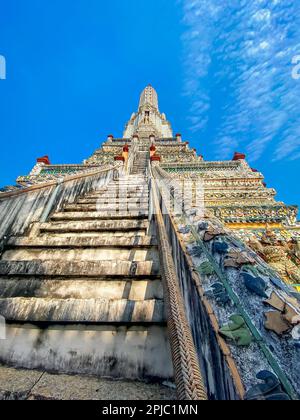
[
  {"x": 44, "y": 159},
  {"x": 119, "y": 158},
  {"x": 239, "y": 156}
]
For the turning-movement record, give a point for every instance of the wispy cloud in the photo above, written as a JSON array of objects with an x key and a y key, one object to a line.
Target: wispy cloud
[{"x": 238, "y": 63}]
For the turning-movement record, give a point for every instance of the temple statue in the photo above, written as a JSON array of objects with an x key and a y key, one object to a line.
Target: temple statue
[{"x": 280, "y": 255}]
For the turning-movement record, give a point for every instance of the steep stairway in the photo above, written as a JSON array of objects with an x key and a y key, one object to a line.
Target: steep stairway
[
  {"x": 82, "y": 293},
  {"x": 140, "y": 162}
]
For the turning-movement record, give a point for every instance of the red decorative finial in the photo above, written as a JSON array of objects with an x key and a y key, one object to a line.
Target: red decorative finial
[
  {"x": 44, "y": 159},
  {"x": 239, "y": 156}
]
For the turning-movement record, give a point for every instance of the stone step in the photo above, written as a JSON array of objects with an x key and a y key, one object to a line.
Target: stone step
[
  {"x": 108, "y": 214},
  {"x": 116, "y": 195},
  {"x": 119, "y": 192},
  {"x": 141, "y": 186},
  {"x": 134, "y": 184},
  {"x": 110, "y": 200},
  {"x": 108, "y": 208},
  {"x": 112, "y": 206},
  {"x": 80, "y": 254},
  {"x": 126, "y": 190},
  {"x": 93, "y": 234},
  {"x": 138, "y": 186},
  {"x": 114, "y": 311},
  {"x": 101, "y": 288},
  {"x": 85, "y": 242},
  {"x": 115, "y": 351},
  {"x": 95, "y": 226},
  {"x": 20, "y": 384},
  {"x": 131, "y": 178},
  {"x": 116, "y": 268},
  {"x": 119, "y": 195},
  {"x": 142, "y": 182}
]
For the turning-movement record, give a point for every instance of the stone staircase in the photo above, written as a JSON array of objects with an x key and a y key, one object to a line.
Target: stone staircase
[
  {"x": 140, "y": 162},
  {"x": 82, "y": 293}
]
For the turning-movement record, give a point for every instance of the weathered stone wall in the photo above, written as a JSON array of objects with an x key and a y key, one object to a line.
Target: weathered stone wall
[{"x": 86, "y": 349}]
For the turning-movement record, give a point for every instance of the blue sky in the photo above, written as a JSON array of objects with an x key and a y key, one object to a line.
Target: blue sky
[{"x": 75, "y": 69}]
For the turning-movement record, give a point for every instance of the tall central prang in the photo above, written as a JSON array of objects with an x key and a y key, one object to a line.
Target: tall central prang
[{"x": 148, "y": 120}]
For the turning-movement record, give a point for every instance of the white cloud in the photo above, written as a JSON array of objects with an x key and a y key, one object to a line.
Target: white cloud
[
  {"x": 262, "y": 15},
  {"x": 246, "y": 47}
]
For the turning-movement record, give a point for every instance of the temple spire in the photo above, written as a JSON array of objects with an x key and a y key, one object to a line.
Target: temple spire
[
  {"x": 149, "y": 97},
  {"x": 148, "y": 120}
]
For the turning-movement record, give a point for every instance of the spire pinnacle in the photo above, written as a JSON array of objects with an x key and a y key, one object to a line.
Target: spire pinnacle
[
  {"x": 149, "y": 97},
  {"x": 148, "y": 120}
]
